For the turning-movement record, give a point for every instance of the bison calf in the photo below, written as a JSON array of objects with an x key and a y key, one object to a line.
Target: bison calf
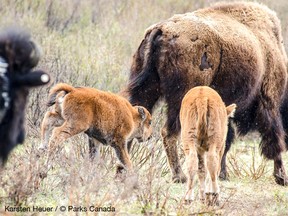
[
  {"x": 105, "y": 117},
  {"x": 204, "y": 123}
]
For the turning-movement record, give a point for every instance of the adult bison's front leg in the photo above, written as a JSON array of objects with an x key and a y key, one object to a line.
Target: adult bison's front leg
[{"x": 170, "y": 145}]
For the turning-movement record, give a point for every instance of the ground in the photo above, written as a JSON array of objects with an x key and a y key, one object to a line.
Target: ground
[{"x": 77, "y": 182}]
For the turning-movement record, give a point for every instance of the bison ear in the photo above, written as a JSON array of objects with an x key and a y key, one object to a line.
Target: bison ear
[
  {"x": 231, "y": 110},
  {"x": 142, "y": 113}
]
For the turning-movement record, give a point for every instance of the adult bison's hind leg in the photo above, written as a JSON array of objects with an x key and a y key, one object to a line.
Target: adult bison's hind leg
[
  {"x": 170, "y": 145},
  {"x": 279, "y": 171},
  {"x": 272, "y": 143}
]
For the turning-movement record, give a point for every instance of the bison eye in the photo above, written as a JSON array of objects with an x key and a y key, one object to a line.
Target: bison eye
[{"x": 150, "y": 122}]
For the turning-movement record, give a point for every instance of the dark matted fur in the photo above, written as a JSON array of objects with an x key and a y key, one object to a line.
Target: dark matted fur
[
  {"x": 235, "y": 48},
  {"x": 21, "y": 54}
]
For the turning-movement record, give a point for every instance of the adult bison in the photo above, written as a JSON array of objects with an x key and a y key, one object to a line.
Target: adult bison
[
  {"x": 18, "y": 56},
  {"x": 235, "y": 48}
]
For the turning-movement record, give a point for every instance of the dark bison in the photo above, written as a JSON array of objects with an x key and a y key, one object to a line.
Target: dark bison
[
  {"x": 235, "y": 48},
  {"x": 18, "y": 55}
]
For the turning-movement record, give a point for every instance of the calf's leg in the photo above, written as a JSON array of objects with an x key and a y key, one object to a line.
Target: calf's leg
[
  {"x": 123, "y": 156},
  {"x": 213, "y": 165},
  {"x": 202, "y": 174},
  {"x": 60, "y": 134},
  {"x": 192, "y": 168},
  {"x": 94, "y": 149},
  {"x": 51, "y": 120},
  {"x": 120, "y": 168}
]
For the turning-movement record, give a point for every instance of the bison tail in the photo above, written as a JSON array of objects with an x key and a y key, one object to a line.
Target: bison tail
[
  {"x": 202, "y": 124},
  {"x": 150, "y": 46},
  {"x": 56, "y": 90},
  {"x": 144, "y": 79}
]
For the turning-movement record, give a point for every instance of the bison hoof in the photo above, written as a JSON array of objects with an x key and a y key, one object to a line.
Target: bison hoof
[
  {"x": 202, "y": 201},
  {"x": 42, "y": 175},
  {"x": 120, "y": 169},
  {"x": 223, "y": 176},
  {"x": 281, "y": 179},
  {"x": 42, "y": 147},
  {"x": 179, "y": 178},
  {"x": 121, "y": 172},
  {"x": 212, "y": 199},
  {"x": 188, "y": 201}
]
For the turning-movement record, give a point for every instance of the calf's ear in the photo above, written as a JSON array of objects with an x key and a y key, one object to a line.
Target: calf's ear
[
  {"x": 141, "y": 111},
  {"x": 231, "y": 110}
]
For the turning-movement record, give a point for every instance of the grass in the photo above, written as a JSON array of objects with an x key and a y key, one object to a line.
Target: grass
[
  {"x": 91, "y": 43},
  {"x": 77, "y": 181}
]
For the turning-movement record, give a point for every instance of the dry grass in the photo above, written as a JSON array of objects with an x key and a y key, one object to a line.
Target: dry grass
[
  {"x": 91, "y": 43},
  {"x": 75, "y": 180}
]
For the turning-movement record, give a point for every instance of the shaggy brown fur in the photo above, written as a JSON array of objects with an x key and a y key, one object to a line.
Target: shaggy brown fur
[
  {"x": 105, "y": 117},
  {"x": 235, "y": 48},
  {"x": 204, "y": 126},
  {"x": 18, "y": 56}
]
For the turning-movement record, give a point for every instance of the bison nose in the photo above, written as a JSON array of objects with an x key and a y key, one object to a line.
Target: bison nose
[{"x": 33, "y": 79}]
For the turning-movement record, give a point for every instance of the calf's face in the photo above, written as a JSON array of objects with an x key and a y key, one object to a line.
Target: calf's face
[{"x": 144, "y": 128}]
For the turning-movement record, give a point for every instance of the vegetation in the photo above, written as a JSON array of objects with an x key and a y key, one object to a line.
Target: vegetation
[{"x": 91, "y": 43}]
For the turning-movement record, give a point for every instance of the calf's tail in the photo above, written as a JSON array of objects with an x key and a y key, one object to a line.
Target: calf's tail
[
  {"x": 61, "y": 87},
  {"x": 202, "y": 124}
]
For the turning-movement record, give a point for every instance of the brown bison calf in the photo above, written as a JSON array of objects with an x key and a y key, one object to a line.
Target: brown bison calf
[
  {"x": 204, "y": 123},
  {"x": 105, "y": 117}
]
